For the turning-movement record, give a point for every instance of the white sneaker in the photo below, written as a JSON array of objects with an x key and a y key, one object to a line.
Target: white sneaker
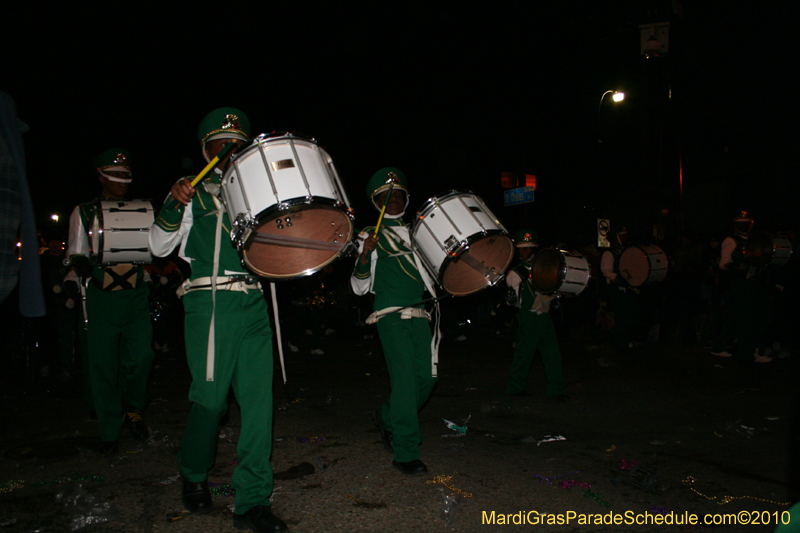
[
  {"x": 317, "y": 351},
  {"x": 330, "y": 331},
  {"x": 460, "y": 338},
  {"x": 309, "y": 332},
  {"x": 292, "y": 347}
]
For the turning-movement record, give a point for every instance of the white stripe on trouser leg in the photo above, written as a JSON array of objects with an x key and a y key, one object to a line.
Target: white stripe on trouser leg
[{"x": 211, "y": 327}]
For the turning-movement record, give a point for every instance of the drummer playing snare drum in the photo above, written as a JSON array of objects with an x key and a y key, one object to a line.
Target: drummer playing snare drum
[
  {"x": 228, "y": 335},
  {"x": 535, "y": 329},
  {"x": 386, "y": 268}
]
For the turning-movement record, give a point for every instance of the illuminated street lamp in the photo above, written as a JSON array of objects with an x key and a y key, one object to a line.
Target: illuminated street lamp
[
  {"x": 54, "y": 218},
  {"x": 616, "y": 96}
]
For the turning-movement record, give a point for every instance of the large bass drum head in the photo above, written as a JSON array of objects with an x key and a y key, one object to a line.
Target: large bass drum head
[
  {"x": 296, "y": 242},
  {"x": 492, "y": 252},
  {"x": 547, "y": 271},
  {"x": 758, "y": 249}
]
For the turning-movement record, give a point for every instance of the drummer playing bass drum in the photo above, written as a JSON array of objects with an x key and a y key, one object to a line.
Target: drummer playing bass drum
[{"x": 535, "y": 329}]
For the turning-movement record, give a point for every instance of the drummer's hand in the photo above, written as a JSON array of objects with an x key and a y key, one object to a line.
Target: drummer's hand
[
  {"x": 182, "y": 191},
  {"x": 369, "y": 244}
]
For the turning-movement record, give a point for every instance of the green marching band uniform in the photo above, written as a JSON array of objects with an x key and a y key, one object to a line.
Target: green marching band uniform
[
  {"x": 119, "y": 351},
  {"x": 228, "y": 333},
  {"x": 397, "y": 280},
  {"x": 535, "y": 329}
]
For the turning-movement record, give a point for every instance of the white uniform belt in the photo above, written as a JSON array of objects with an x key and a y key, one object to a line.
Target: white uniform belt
[
  {"x": 224, "y": 283},
  {"x": 405, "y": 313}
]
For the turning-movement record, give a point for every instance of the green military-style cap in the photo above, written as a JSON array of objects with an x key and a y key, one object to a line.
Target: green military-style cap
[
  {"x": 224, "y": 123},
  {"x": 526, "y": 238},
  {"x": 380, "y": 181},
  {"x": 113, "y": 160}
]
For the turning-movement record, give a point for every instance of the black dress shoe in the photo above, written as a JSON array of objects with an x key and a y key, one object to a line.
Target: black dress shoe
[
  {"x": 136, "y": 425},
  {"x": 196, "y": 496},
  {"x": 386, "y": 436},
  {"x": 259, "y": 519},
  {"x": 522, "y": 394},
  {"x": 109, "y": 447},
  {"x": 411, "y": 467}
]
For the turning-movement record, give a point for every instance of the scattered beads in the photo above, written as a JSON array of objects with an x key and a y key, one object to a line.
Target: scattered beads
[
  {"x": 549, "y": 481},
  {"x": 217, "y": 489},
  {"x": 445, "y": 480},
  {"x": 657, "y": 509},
  {"x": 11, "y": 485},
  {"x": 572, "y": 483},
  {"x": 626, "y": 464},
  {"x": 595, "y": 496},
  {"x": 728, "y": 499},
  {"x": 311, "y": 439}
]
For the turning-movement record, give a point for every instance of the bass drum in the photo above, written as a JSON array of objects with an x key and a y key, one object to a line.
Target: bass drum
[
  {"x": 643, "y": 264},
  {"x": 763, "y": 249},
  {"x": 558, "y": 271},
  {"x": 289, "y": 212},
  {"x": 461, "y": 243},
  {"x": 121, "y": 232}
]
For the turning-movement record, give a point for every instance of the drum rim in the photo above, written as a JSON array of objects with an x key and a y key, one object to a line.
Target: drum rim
[
  {"x": 262, "y": 139},
  {"x": 452, "y": 192},
  {"x": 449, "y": 259},
  {"x": 250, "y": 233},
  {"x": 295, "y": 204}
]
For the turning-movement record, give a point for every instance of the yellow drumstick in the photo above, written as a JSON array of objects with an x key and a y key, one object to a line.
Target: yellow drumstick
[
  {"x": 211, "y": 164},
  {"x": 383, "y": 209}
]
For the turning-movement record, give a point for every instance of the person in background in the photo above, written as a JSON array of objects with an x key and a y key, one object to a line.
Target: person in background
[
  {"x": 119, "y": 331},
  {"x": 535, "y": 329}
]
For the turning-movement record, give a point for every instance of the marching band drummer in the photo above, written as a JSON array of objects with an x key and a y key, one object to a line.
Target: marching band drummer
[
  {"x": 386, "y": 268},
  {"x": 622, "y": 298},
  {"x": 535, "y": 329},
  {"x": 228, "y": 336},
  {"x": 117, "y": 313}
]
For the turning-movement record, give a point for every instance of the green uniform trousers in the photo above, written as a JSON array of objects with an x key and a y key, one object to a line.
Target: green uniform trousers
[
  {"x": 536, "y": 331},
  {"x": 243, "y": 359},
  {"x": 407, "y": 349},
  {"x": 750, "y": 316},
  {"x": 625, "y": 306},
  {"x": 119, "y": 353}
]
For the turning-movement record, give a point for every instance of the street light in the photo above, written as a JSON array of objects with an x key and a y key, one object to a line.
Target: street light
[{"x": 616, "y": 96}]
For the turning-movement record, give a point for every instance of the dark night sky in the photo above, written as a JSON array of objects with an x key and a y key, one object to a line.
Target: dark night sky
[{"x": 453, "y": 96}]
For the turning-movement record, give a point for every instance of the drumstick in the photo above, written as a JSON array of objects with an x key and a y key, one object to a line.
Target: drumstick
[
  {"x": 383, "y": 209},
  {"x": 211, "y": 164}
]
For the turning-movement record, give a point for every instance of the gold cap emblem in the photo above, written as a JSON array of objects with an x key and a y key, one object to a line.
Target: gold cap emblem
[{"x": 231, "y": 122}]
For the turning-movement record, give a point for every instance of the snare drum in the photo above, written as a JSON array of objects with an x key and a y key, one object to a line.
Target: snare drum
[
  {"x": 289, "y": 212},
  {"x": 643, "y": 264},
  {"x": 461, "y": 243},
  {"x": 559, "y": 271},
  {"x": 121, "y": 232}
]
